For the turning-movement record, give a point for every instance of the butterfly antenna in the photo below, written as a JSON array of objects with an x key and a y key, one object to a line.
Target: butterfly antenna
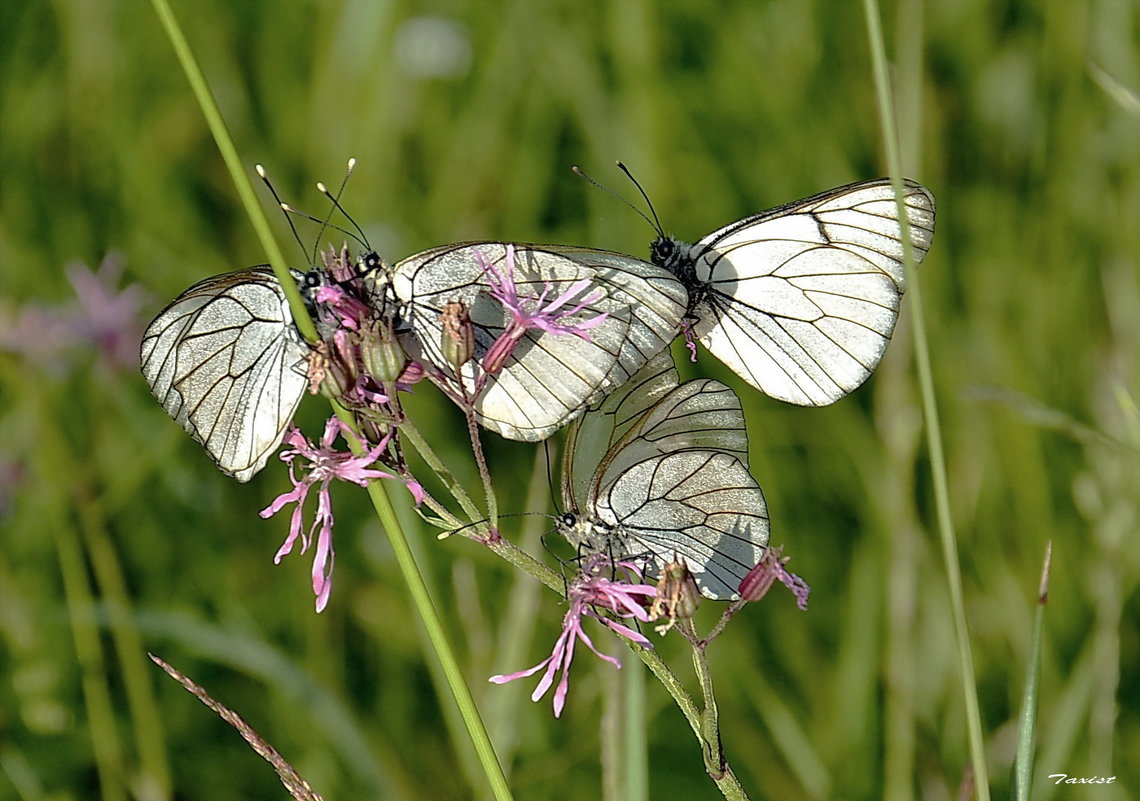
[
  {"x": 656, "y": 220},
  {"x": 265, "y": 179},
  {"x": 554, "y": 494},
  {"x": 451, "y": 532},
  {"x": 362, "y": 238},
  {"x": 578, "y": 171}
]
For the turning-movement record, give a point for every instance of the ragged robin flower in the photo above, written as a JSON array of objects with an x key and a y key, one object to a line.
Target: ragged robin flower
[
  {"x": 767, "y": 572},
  {"x": 592, "y": 594},
  {"x": 553, "y": 316},
  {"x": 325, "y": 464}
]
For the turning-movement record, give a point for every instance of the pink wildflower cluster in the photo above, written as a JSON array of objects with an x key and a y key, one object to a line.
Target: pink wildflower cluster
[
  {"x": 593, "y": 594},
  {"x": 99, "y": 314},
  {"x": 553, "y": 317},
  {"x": 325, "y": 464}
]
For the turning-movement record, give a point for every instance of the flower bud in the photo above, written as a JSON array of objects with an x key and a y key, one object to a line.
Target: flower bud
[
  {"x": 458, "y": 338},
  {"x": 381, "y": 353},
  {"x": 767, "y": 572},
  {"x": 328, "y": 374},
  {"x": 677, "y": 595}
]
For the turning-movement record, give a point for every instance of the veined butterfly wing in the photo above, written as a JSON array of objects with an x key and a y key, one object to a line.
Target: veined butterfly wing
[
  {"x": 591, "y": 437},
  {"x": 672, "y": 481},
  {"x": 549, "y": 378},
  {"x": 226, "y": 362},
  {"x": 801, "y": 300},
  {"x": 702, "y": 506}
]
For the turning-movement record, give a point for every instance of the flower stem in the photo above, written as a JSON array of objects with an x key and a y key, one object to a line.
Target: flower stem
[
  {"x": 434, "y": 628},
  {"x": 416, "y": 586},
  {"x": 635, "y": 746},
  {"x": 412, "y": 434},
  {"x": 230, "y": 156},
  {"x": 481, "y": 461},
  {"x": 930, "y": 409},
  {"x": 729, "y": 786}
]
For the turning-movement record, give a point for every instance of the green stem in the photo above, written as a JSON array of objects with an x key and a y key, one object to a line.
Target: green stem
[
  {"x": 376, "y": 490},
  {"x": 710, "y": 717},
  {"x": 434, "y": 627},
  {"x": 930, "y": 410},
  {"x": 410, "y": 433},
  {"x": 106, "y": 748},
  {"x": 729, "y": 786},
  {"x": 233, "y": 163},
  {"x": 1027, "y": 719},
  {"x": 634, "y": 741},
  {"x": 146, "y": 718},
  {"x": 481, "y": 463}
]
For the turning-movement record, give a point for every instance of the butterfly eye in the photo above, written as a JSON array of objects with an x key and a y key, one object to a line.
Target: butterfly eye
[
  {"x": 369, "y": 263},
  {"x": 663, "y": 251}
]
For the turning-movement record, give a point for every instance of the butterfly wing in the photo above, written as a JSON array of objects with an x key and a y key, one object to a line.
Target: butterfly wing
[
  {"x": 226, "y": 362},
  {"x": 591, "y": 437},
  {"x": 801, "y": 300},
  {"x": 702, "y": 506},
  {"x": 550, "y": 377},
  {"x": 651, "y": 299},
  {"x": 672, "y": 481}
]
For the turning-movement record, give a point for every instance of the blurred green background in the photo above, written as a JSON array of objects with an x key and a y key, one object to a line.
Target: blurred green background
[{"x": 119, "y": 536}]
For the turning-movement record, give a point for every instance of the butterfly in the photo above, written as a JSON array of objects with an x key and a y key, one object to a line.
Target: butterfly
[
  {"x": 657, "y": 471},
  {"x": 226, "y": 361},
  {"x": 629, "y": 311},
  {"x": 801, "y": 300}
]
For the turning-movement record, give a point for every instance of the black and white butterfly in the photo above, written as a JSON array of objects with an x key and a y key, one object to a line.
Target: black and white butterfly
[
  {"x": 550, "y": 378},
  {"x": 801, "y": 300},
  {"x": 659, "y": 471},
  {"x": 226, "y": 361}
]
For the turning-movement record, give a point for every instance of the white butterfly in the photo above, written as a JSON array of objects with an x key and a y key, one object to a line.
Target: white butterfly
[
  {"x": 800, "y": 301},
  {"x": 549, "y": 378},
  {"x": 657, "y": 471},
  {"x": 227, "y": 363}
]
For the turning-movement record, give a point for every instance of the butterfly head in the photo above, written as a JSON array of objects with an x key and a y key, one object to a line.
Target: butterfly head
[
  {"x": 673, "y": 255},
  {"x": 370, "y": 265},
  {"x": 312, "y": 281}
]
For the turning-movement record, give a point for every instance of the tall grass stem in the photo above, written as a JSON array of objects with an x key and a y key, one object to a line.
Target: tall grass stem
[{"x": 937, "y": 456}]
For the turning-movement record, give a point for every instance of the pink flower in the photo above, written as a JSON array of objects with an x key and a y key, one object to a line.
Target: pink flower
[
  {"x": 690, "y": 340},
  {"x": 325, "y": 465},
  {"x": 347, "y": 309},
  {"x": 553, "y": 317},
  {"x": 770, "y": 569},
  {"x": 106, "y": 315},
  {"x": 593, "y": 590},
  {"x": 100, "y": 314}
]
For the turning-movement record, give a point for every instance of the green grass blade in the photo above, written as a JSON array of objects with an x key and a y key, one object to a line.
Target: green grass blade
[
  {"x": 939, "y": 480},
  {"x": 1027, "y": 720}
]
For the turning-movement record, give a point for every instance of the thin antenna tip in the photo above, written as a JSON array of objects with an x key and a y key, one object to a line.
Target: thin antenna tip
[
  {"x": 351, "y": 162},
  {"x": 260, "y": 170},
  {"x": 322, "y": 188}
]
